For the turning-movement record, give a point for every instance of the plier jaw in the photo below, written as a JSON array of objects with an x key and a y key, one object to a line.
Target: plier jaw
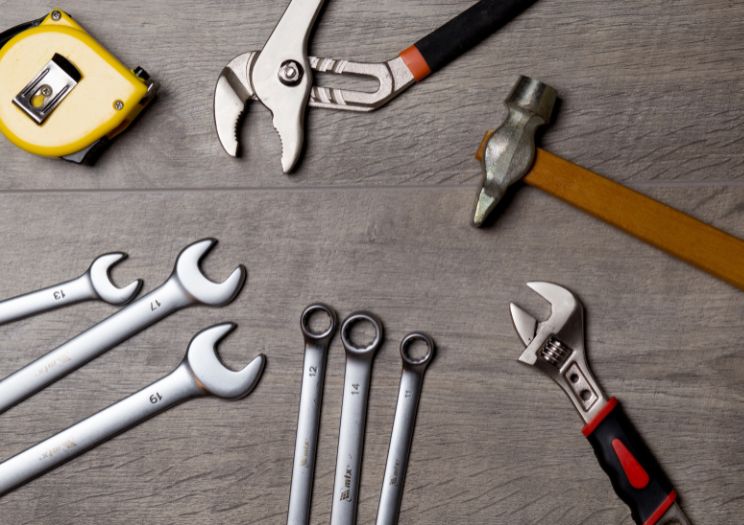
[{"x": 234, "y": 90}]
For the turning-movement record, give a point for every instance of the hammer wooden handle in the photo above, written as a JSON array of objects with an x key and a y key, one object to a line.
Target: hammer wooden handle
[{"x": 677, "y": 233}]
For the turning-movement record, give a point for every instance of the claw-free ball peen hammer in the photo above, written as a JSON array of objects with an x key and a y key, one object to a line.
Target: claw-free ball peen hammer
[{"x": 509, "y": 155}]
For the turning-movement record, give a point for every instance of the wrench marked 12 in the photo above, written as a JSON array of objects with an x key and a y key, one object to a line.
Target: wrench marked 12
[{"x": 308, "y": 419}]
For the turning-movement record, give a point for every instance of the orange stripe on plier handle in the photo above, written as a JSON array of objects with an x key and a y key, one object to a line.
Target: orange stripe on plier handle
[{"x": 416, "y": 63}]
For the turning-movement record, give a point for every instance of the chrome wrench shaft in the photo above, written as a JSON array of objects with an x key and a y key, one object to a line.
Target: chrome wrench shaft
[
  {"x": 401, "y": 438},
  {"x": 199, "y": 374},
  {"x": 94, "y": 284},
  {"x": 186, "y": 286},
  {"x": 308, "y": 420},
  {"x": 353, "y": 419}
]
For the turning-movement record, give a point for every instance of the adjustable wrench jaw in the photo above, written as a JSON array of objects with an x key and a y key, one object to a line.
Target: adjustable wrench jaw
[{"x": 556, "y": 347}]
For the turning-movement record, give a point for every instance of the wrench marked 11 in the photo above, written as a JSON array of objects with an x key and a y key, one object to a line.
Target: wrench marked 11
[{"x": 401, "y": 438}]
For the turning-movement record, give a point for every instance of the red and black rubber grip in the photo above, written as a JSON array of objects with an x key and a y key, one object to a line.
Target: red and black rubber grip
[
  {"x": 460, "y": 34},
  {"x": 635, "y": 474}
]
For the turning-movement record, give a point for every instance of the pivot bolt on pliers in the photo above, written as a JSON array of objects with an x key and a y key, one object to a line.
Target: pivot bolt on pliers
[
  {"x": 556, "y": 347},
  {"x": 280, "y": 75}
]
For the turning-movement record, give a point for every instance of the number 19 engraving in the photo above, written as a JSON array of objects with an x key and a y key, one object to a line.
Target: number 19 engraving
[{"x": 156, "y": 398}]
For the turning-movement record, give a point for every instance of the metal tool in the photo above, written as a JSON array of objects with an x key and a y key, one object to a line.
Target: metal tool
[
  {"x": 280, "y": 75},
  {"x": 94, "y": 284},
  {"x": 187, "y": 286},
  {"x": 508, "y": 155},
  {"x": 401, "y": 438},
  {"x": 200, "y": 374},
  {"x": 555, "y": 346},
  {"x": 353, "y": 418},
  {"x": 62, "y": 94},
  {"x": 308, "y": 419}
]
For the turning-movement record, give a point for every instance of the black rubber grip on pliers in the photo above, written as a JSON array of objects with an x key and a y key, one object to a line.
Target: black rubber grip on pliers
[
  {"x": 468, "y": 29},
  {"x": 634, "y": 472}
]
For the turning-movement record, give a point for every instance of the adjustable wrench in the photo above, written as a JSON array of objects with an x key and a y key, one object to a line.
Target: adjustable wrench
[
  {"x": 308, "y": 420},
  {"x": 95, "y": 283},
  {"x": 200, "y": 374},
  {"x": 187, "y": 286},
  {"x": 401, "y": 438},
  {"x": 353, "y": 418},
  {"x": 555, "y": 346}
]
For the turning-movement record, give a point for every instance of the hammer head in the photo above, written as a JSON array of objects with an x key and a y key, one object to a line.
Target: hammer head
[{"x": 509, "y": 152}]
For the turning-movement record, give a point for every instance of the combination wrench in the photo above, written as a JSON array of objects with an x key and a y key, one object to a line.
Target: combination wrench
[
  {"x": 200, "y": 373},
  {"x": 187, "y": 286},
  {"x": 308, "y": 420},
  {"x": 94, "y": 284},
  {"x": 353, "y": 418},
  {"x": 401, "y": 438}
]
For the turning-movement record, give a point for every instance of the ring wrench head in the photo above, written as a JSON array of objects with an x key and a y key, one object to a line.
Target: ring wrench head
[
  {"x": 318, "y": 338},
  {"x": 214, "y": 377},
  {"x": 189, "y": 273},
  {"x": 362, "y": 351},
  {"x": 103, "y": 285},
  {"x": 417, "y": 364}
]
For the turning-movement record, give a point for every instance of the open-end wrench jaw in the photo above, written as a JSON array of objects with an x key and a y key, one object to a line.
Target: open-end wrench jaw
[
  {"x": 190, "y": 276},
  {"x": 212, "y": 375},
  {"x": 102, "y": 284},
  {"x": 556, "y": 347}
]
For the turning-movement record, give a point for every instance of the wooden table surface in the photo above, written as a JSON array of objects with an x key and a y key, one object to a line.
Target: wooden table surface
[{"x": 377, "y": 217}]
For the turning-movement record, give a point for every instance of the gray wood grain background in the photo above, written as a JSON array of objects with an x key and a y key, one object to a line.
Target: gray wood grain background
[{"x": 378, "y": 217}]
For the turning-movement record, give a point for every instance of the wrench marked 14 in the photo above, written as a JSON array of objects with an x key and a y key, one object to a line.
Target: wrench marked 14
[{"x": 353, "y": 418}]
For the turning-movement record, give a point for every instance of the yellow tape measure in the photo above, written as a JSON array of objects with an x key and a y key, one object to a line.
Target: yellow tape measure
[{"x": 62, "y": 94}]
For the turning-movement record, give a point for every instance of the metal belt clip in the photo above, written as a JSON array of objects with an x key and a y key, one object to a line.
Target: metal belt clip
[{"x": 50, "y": 87}]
